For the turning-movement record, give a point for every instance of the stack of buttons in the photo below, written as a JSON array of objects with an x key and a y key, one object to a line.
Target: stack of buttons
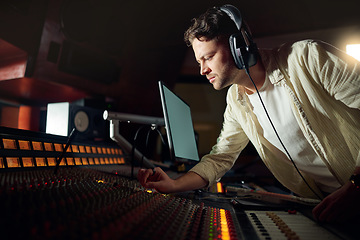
[
  {"x": 218, "y": 224},
  {"x": 290, "y": 225},
  {"x": 86, "y": 204}
]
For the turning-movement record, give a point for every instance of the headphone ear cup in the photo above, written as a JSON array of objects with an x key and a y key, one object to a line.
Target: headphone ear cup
[
  {"x": 244, "y": 56},
  {"x": 252, "y": 55},
  {"x": 236, "y": 50}
]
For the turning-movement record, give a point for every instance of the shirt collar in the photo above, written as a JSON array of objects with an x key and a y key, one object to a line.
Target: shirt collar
[
  {"x": 269, "y": 59},
  {"x": 276, "y": 77}
]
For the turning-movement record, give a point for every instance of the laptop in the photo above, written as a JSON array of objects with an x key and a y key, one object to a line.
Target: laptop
[{"x": 179, "y": 126}]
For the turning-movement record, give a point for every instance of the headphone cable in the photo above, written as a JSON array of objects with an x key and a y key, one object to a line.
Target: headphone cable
[{"x": 277, "y": 135}]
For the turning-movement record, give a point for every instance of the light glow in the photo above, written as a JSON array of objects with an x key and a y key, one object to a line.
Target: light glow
[
  {"x": 219, "y": 187},
  {"x": 353, "y": 50},
  {"x": 225, "y": 234}
]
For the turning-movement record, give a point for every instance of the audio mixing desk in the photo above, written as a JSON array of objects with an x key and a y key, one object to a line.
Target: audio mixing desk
[{"x": 92, "y": 196}]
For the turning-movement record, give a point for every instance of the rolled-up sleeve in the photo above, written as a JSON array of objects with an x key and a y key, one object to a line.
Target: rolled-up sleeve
[{"x": 231, "y": 141}]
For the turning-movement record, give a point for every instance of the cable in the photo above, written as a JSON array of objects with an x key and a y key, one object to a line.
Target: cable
[
  {"x": 58, "y": 161},
  {"x": 133, "y": 151},
  {"x": 277, "y": 135},
  {"x": 151, "y": 128}
]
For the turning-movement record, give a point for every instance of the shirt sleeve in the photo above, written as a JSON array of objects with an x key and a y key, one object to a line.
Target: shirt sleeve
[
  {"x": 339, "y": 75},
  {"x": 231, "y": 141}
]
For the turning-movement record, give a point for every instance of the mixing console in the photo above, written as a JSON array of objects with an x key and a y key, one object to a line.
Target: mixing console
[
  {"x": 81, "y": 203},
  {"x": 92, "y": 196}
]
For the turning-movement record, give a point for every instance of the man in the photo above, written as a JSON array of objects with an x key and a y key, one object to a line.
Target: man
[{"x": 308, "y": 132}]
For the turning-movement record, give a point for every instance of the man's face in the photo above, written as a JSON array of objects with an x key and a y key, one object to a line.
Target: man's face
[{"x": 215, "y": 62}]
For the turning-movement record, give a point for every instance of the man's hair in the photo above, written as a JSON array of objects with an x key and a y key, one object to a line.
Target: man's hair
[{"x": 213, "y": 24}]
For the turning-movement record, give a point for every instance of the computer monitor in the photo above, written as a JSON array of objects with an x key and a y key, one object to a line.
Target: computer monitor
[{"x": 179, "y": 126}]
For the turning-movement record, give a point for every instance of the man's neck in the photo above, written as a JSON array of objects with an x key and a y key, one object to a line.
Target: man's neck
[{"x": 257, "y": 73}]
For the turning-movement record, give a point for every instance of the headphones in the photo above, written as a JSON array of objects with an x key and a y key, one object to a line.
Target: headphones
[{"x": 243, "y": 49}]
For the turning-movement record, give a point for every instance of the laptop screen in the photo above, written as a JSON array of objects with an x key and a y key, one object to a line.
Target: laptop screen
[{"x": 179, "y": 126}]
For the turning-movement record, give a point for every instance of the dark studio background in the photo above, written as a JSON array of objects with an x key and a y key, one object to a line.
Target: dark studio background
[{"x": 112, "y": 53}]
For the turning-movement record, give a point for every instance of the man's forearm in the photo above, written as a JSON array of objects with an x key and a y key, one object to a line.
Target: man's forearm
[{"x": 190, "y": 181}]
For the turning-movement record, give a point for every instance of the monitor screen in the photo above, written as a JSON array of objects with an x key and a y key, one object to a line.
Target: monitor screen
[{"x": 179, "y": 126}]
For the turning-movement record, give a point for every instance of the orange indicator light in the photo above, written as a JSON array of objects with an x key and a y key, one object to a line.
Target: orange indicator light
[
  {"x": 219, "y": 187},
  {"x": 224, "y": 226}
]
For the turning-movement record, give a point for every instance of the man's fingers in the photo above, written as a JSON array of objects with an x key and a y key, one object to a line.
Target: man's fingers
[
  {"x": 143, "y": 175},
  {"x": 318, "y": 210},
  {"x": 150, "y": 185},
  {"x": 326, "y": 212}
]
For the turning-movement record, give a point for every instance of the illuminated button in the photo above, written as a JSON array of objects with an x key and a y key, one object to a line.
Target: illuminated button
[
  {"x": 48, "y": 147},
  {"x": 12, "y": 162},
  {"x": 82, "y": 149},
  {"x": 37, "y": 146},
  {"x": 78, "y": 161},
  {"x": 28, "y": 162},
  {"x": 99, "y": 150},
  {"x": 58, "y": 147},
  {"x": 51, "y": 161},
  {"x": 9, "y": 143},
  {"x": 2, "y": 165},
  {"x": 75, "y": 148},
  {"x": 88, "y": 149},
  {"x": 224, "y": 225},
  {"x": 63, "y": 162},
  {"x": 102, "y": 161},
  {"x": 70, "y": 161},
  {"x": 40, "y": 162},
  {"x": 93, "y": 149},
  {"x": 91, "y": 161},
  {"x": 68, "y": 149},
  {"x": 219, "y": 187},
  {"x": 96, "y": 160},
  {"x": 24, "y": 145},
  {"x": 85, "y": 161}
]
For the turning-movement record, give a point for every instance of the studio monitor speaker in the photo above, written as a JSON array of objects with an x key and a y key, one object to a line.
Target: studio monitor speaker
[{"x": 62, "y": 117}]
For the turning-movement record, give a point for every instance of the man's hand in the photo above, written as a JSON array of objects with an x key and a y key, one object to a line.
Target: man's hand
[
  {"x": 157, "y": 179},
  {"x": 161, "y": 182},
  {"x": 340, "y": 206}
]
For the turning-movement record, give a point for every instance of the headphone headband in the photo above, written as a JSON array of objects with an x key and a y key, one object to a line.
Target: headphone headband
[
  {"x": 244, "y": 51},
  {"x": 233, "y": 13}
]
